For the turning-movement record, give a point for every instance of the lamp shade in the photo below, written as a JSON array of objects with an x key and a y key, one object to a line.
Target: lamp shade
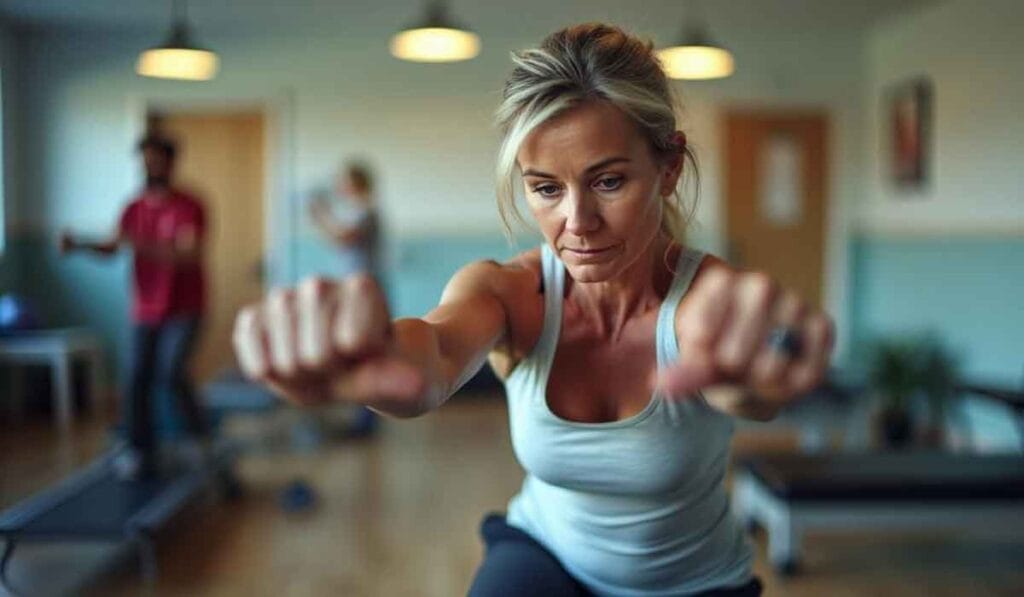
[
  {"x": 435, "y": 39},
  {"x": 697, "y": 58},
  {"x": 178, "y": 58}
]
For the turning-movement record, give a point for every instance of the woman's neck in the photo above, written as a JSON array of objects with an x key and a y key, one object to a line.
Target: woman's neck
[
  {"x": 364, "y": 201},
  {"x": 611, "y": 304}
]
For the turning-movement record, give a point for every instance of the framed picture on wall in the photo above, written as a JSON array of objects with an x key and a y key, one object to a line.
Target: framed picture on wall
[{"x": 909, "y": 132}]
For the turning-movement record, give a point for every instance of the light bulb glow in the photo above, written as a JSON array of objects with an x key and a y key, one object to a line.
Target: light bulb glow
[
  {"x": 696, "y": 62},
  {"x": 178, "y": 63},
  {"x": 435, "y": 44}
]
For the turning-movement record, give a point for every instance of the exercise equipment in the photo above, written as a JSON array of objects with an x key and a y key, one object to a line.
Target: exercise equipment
[
  {"x": 230, "y": 394},
  {"x": 95, "y": 505},
  {"x": 789, "y": 495},
  {"x": 297, "y": 497}
]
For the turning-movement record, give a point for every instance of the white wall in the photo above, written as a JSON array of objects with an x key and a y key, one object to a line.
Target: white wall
[
  {"x": 829, "y": 77},
  {"x": 974, "y": 54},
  {"x": 427, "y": 128}
]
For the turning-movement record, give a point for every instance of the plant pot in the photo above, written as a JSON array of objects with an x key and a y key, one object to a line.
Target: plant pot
[{"x": 896, "y": 428}]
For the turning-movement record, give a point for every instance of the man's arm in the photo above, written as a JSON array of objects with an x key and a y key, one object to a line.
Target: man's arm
[
  {"x": 70, "y": 243},
  {"x": 338, "y": 232}
]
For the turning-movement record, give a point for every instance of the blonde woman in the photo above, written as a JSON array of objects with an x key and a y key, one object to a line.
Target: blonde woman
[{"x": 625, "y": 354}]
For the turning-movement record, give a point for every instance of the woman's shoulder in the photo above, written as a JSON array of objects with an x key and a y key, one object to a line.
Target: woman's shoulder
[
  {"x": 708, "y": 262},
  {"x": 517, "y": 282},
  {"x": 506, "y": 279},
  {"x": 526, "y": 266}
]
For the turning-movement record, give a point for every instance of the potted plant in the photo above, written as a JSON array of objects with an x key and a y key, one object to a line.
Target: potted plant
[
  {"x": 893, "y": 376},
  {"x": 937, "y": 377}
]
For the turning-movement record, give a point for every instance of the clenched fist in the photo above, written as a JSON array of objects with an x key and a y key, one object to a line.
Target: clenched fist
[
  {"x": 326, "y": 340},
  {"x": 741, "y": 329}
]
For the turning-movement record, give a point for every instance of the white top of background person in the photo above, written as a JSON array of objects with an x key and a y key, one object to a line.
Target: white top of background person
[{"x": 348, "y": 218}]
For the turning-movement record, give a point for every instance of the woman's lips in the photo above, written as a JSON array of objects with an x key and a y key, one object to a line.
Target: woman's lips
[{"x": 588, "y": 254}]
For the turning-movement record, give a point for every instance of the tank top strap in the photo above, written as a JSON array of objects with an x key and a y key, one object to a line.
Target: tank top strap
[
  {"x": 553, "y": 272},
  {"x": 686, "y": 268}
]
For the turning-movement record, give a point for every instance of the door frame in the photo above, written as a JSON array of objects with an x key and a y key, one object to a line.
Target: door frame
[{"x": 280, "y": 217}]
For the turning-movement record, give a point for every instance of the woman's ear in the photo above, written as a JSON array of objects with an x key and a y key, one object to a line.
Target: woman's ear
[{"x": 674, "y": 164}]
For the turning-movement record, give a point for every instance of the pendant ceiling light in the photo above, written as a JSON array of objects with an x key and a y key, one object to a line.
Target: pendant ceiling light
[
  {"x": 178, "y": 57},
  {"x": 435, "y": 39},
  {"x": 697, "y": 56}
]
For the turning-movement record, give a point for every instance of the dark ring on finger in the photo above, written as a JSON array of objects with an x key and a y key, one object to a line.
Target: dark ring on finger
[{"x": 787, "y": 341}]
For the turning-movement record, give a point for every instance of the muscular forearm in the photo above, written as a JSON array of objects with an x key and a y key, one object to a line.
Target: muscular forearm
[
  {"x": 416, "y": 341},
  {"x": 335, "y": 341},
  {"x": 443, "y": 368}
]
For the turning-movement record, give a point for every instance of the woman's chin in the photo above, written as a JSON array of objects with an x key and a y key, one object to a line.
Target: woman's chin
[{"x": 591, "y": 272}]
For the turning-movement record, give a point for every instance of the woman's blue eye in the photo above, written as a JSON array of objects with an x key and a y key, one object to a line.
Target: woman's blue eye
[
  {"x": 546, "y": 190},
  {"x": 609, "y": 183}
]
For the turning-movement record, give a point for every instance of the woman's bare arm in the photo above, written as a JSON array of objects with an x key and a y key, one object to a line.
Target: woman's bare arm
[
  {"x": 722, "y": 328},
  {"x": 329, "y": 340}
]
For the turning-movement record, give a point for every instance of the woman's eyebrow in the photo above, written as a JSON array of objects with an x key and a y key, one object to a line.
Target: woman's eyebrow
[
  {"x": 607, "y": 162},
  {"x": 591, "y": 168}
]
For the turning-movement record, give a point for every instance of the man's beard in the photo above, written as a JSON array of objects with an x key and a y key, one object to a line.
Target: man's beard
[{"x": 157, "y": 182}]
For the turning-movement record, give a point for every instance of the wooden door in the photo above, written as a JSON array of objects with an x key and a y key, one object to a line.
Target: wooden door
[
  {"x": 776, "y": 172},
  {"x": 221, "y": 159}
]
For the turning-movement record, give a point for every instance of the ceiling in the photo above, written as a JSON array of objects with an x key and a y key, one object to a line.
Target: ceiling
[{"x": 489, "y": 17}]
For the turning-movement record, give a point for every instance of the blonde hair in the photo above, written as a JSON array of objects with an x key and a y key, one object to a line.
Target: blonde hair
[{"x": 583, "y": 63}]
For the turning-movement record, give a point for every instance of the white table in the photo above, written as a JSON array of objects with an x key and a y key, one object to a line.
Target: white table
[{"x": 57, "y": 348}]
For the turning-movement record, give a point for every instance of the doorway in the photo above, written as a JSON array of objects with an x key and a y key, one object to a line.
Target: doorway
[
  {"x": 222, "y": 161},
  {"x": 776, "y": 172}
]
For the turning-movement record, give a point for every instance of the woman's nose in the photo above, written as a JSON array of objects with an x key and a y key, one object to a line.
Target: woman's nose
[{"x": 582, "y": 216}]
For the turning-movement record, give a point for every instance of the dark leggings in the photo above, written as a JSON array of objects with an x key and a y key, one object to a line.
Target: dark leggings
[
  {"x": 162, "y": 352},
  {"x": 516, "y": 564}
]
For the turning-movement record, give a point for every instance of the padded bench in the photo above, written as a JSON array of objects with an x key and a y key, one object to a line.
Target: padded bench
[
  {"x": 788, "y": 495},
  {"x": 94, "y": 505}
]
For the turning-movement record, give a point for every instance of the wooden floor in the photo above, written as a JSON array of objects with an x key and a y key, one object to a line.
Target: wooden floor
[{"x": 398, "y": 516}]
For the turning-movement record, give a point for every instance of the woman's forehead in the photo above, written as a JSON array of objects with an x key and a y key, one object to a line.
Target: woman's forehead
[{"x": 591, "y": 129}]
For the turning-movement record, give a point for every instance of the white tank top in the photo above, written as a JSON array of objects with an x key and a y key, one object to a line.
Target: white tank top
[{"x": 630, "y": 507}]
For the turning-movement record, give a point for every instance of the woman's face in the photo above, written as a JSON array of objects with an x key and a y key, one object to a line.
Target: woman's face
[
  {"x": 595, "y": 188},
  {"x": 344, "y": 185}
]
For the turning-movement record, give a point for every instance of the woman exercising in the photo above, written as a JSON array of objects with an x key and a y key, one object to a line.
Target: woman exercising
[
  {"x": 355, "y": 233},
  {"x": 625, "y": 354}
]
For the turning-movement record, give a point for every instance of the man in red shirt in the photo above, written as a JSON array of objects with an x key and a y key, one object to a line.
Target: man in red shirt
[{"x": 165, "y": 228}]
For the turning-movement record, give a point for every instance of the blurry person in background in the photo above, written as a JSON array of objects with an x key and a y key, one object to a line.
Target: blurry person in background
[
  {"x": 164, "y": 228},
  {"x": 348, "y": 218}
]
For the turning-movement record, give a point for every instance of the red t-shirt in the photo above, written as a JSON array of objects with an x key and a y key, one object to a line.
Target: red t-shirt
[{"x": 163, "y": 288}]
